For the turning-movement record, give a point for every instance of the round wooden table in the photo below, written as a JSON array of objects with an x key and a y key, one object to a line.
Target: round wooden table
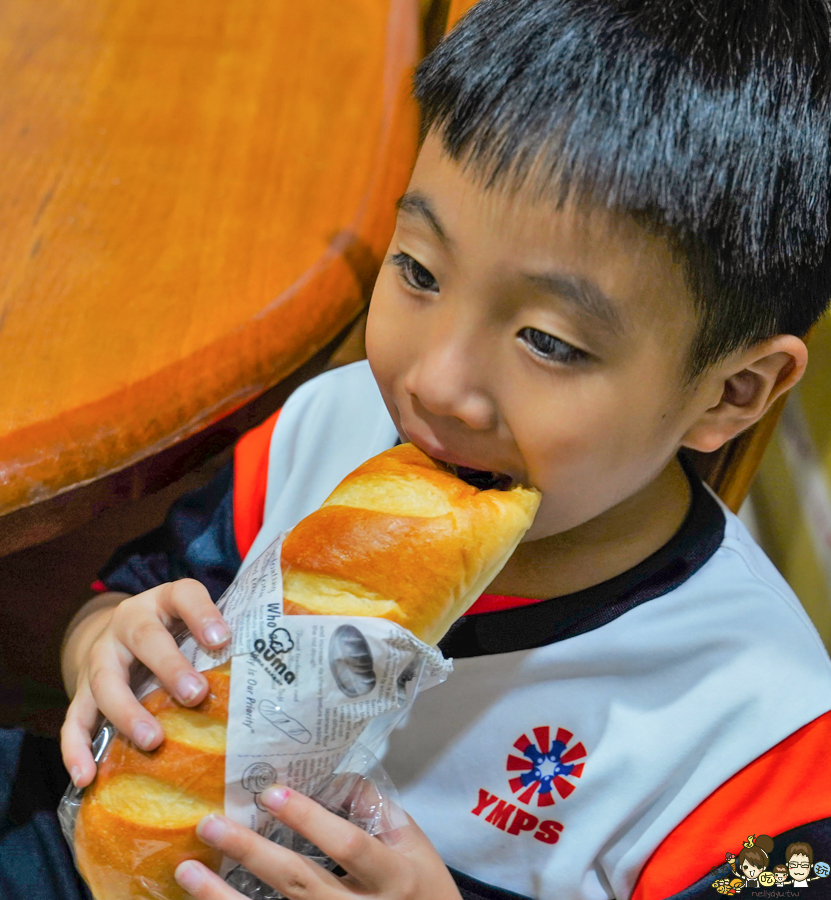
[{"x": 195, "y": 198}]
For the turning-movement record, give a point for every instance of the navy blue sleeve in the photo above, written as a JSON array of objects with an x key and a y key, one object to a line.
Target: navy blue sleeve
[
  {"x": 196, "y": 541},
  {"x": 35, "y": 862},
  {"x": 472, "y": 889}
]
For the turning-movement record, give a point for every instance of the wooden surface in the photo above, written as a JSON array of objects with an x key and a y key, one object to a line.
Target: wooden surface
[
  {"x": 194, "y": 200},
  {"x": 457, "y": 9},
  {"x": 75, "y": 508}
]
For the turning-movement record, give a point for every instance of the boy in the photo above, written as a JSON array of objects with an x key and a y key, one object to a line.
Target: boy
[{"x": 615, "y": 237}]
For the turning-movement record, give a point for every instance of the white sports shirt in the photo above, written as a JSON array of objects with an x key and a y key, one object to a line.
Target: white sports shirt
[{"x": 580, "y": 739}]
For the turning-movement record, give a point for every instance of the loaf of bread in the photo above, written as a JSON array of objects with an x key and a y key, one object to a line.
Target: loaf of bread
[
  {"x": 137, "y": 820},
  {"x": 400, "y": 538},
  {"x": 404, "y": 539}
]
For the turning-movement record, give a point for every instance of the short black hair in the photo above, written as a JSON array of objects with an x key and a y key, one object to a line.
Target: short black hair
[{"x": 709, "y": 120}]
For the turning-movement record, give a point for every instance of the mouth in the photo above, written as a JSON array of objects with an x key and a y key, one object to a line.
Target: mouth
[{"x": 481, "y": 479}]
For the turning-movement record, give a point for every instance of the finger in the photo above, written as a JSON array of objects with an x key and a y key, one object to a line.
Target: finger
[
  {"x": 190, "y": 601},
  {"x": 76, "y": 737},
  {"x": 361, "y": 855},
  {"x": 140, "y": 624},
  {"x": 290, "y": 873},
  {"x": 200, "y": 882},
  {"x": 360, "y": 799},
  {"x": 108, "y": 680}
]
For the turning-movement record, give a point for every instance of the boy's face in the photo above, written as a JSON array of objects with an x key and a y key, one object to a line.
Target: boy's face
[{"x": 508, "y": 335}]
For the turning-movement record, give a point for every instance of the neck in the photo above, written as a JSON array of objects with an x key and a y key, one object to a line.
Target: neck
[{"x": 602, "y": 548}]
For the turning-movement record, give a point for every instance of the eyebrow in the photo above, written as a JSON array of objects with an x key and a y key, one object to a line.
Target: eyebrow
[
  {"x": 583, "y": 294},
  {"x": 414, "y": 203}
]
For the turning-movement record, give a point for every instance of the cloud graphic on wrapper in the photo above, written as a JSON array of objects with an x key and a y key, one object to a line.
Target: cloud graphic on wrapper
[{"x": 280, "y": 641}]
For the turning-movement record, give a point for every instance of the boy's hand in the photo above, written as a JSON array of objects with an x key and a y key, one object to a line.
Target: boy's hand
[
  {"x": 138, "y": 628},
  {"x": 398, "y": 865}
]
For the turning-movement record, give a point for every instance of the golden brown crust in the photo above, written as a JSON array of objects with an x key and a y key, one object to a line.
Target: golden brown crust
[
  {"x": 115, "y": 859},
  {"x": 420, "y": 570},
  {"x": 120, "y": 859}
]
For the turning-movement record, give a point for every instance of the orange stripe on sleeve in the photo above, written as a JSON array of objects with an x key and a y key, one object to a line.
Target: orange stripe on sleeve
[
  {"x": 786, "y": 787},
  {"x": 250, "y": 481}
]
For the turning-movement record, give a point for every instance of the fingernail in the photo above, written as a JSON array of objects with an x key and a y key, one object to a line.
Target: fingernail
[
  {"x": 212, "y": 829},
  {"x": 216, "y": 633},
  {"x": 189, "y": 875},
  {"x": 75, "y": 774},
  {"x": 144, "y": 735},
  {"x": 188, "y": 687},
  {"x": 274, "y": 797}
]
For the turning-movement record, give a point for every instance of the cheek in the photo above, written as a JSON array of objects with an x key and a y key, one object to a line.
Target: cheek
[
  {"x": 589, "y": 451},
  {"x": 574, "y": 465},
  {"x": 592, "y": 427},
  {"x": 386, "y": 331}
]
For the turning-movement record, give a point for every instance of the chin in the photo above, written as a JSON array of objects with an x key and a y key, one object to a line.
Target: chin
[{"x": 538, "y": 531}]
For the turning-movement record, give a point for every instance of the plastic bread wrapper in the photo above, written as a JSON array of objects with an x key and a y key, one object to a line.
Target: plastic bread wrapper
[{"x": 312, "y": 702}]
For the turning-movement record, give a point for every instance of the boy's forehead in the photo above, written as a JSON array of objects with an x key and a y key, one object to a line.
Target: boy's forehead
[{"x": 515, "y": 232}]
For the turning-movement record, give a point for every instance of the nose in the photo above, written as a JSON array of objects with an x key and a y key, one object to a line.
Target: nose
[{"x": 447, "y": 380}]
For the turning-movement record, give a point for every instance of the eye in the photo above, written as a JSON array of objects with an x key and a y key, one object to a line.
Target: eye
[
  {"x": 414, "y": 273},
  {"x": 551, "y": 348}
]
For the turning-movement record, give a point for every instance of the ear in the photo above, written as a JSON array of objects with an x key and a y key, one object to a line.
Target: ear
[{"x": 744, "y": 387}]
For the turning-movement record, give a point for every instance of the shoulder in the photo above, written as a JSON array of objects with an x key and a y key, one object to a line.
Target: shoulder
[
  {"x": 353, "y": 384},
  {"x": 751, "y": 679},
  {"x": 739, "y": 590},
  {"x": 749, "y": 562},
  {"x": 734, "y": 645},
  {"x": 732, "y": 600},
  {"x": 784, "y": 793},
  {"x": 330, "y": 417}
]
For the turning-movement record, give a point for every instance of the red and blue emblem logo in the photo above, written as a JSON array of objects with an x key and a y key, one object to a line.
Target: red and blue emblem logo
[{"x": 545, "y": 766}]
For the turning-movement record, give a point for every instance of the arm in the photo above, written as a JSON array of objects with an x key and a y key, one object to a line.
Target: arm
[{"x": 766, "y": 790}]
